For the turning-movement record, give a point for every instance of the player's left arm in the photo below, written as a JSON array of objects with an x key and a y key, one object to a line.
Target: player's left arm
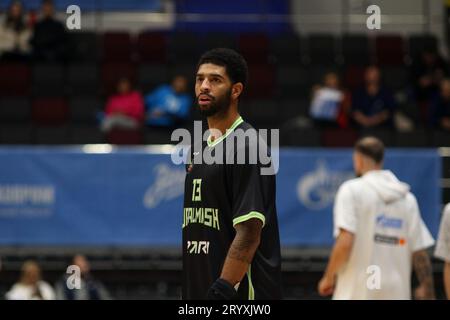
[
  {"x": 447, "y": 278},
  {"x": 424, "y": 272},
  {"x": 239, "y": 257}
]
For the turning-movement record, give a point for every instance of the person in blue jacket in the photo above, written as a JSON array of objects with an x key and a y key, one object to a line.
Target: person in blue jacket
[{"x": 168, "y": 105}]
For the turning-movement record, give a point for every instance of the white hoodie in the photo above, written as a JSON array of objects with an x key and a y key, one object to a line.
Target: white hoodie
[{"x": 384, "y": 217}]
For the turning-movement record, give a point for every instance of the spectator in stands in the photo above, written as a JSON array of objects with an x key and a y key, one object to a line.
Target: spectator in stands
[
  {"x": 49, "y": 36},
  {"x": 428, "y": 70},
  {"x": 124, "y": 109},
  {"x": 373, "y": 105},
  {"x": 89, "y": 289},
  {"x": 31, "y": 286},
  {"x": 168, "y": 105},
  {"x": 440, "y": 106},
  {"x": 330, "y": 103},
  {"x": 14, "y": 34}
]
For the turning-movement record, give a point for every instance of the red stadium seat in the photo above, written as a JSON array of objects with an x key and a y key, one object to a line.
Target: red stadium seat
[
  {"x": 125, "y": 137},
  {"x": 254, "y": 47},
  {"x": 336, "y": 138},
  {"x": 261, "y": 82},
  {"x": 152, "y": 47},
  {"x": 15, "y": 79},
  {"x": 390, "y": 50},
  {"x": 50, "y": 111},
  {"x": 112, "y": 72},
  {"x": 117, "y": 47},
  {"x": 354, "y": 77}
]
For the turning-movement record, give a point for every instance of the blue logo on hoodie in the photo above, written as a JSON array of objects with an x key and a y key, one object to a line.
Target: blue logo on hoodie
[{"x": 386, "y": 222}]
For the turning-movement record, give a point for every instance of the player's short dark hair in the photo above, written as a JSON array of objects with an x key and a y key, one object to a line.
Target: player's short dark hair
[
  {"x": 371, "y": 147},
  {"x": 234, "y": 63}
]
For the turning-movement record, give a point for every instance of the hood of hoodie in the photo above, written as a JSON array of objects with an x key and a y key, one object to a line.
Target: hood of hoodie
[{"x": 386, "y": 184}]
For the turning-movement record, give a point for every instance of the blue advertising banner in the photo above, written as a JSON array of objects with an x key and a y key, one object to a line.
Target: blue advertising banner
[
  {"x": 233, "y": 16},
  {"x": 308, "y": 181},
  {"x": 88, "y": 5},
  {"x": 73, "y": 196}
]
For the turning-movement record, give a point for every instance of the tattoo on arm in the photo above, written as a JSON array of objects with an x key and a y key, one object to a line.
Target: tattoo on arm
[
  {"x": 246, "y": 241},
  {"x": 424, "y": 272}
]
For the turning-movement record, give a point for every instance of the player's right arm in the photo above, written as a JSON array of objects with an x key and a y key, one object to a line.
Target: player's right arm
[
  {"x": 339, "y": 257},
  {"x": 345, "y": 220}
]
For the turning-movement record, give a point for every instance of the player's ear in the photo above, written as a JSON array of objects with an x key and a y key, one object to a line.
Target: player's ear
[{"x": 236, "y": 90}]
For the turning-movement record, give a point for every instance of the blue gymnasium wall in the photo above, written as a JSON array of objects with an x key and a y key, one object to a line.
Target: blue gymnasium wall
[
  {"x": 254, "y": 9},
  {"x": 63, "y": 196}
]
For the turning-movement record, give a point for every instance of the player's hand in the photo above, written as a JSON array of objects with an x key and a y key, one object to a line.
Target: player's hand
[
  {"x": 422, "y": 293},
  {"x": 221, "y": 290},
  {"x": 419, "y": 293},
  {"x": 326, "y": 286}
]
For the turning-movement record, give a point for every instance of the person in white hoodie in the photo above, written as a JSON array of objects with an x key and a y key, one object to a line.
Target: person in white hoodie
[
  {"x": 31, "y": 286},
  {"x": 442, "y": 250},
  {"x": 380, "y": 235}
]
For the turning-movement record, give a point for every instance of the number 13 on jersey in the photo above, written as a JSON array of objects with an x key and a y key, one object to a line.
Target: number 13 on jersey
[{"x": 196, "y": 190}]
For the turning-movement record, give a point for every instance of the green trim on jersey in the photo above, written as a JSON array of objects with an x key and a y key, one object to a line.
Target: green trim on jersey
[
  {"x": 251, "y": 290},
  {"x": 248, "y": 216},
  {"x": 229, "y": 130}
]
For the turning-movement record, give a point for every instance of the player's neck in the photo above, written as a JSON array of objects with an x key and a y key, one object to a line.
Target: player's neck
[
  {"x": 223, "y": 122},
  {"x": 371, "y": 169}
]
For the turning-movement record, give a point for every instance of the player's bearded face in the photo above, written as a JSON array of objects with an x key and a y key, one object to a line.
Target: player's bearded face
[{"x": 217, "y": 104}]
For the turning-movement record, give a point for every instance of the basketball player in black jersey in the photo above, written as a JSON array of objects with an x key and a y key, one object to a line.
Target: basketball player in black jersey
[{"x": 231, "y": 246}]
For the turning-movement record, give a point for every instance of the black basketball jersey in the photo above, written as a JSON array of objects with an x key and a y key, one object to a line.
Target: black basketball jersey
[{"x": 217, "y": 197}]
